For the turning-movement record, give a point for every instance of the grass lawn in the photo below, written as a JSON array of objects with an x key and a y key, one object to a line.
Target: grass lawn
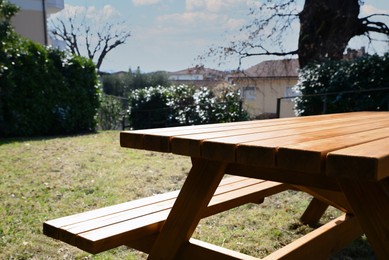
[{"x": 46, "y": 178}]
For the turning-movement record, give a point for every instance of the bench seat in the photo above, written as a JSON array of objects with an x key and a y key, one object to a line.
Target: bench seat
[{"x": 132, "y": 223}]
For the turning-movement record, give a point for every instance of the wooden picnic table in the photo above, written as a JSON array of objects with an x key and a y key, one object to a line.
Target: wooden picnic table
[{"x": 341, "y": 159}]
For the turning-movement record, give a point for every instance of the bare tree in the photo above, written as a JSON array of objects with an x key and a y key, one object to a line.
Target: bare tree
[
  {"x": 82, "y": 37},
  {"x": 325, "y": 29}
]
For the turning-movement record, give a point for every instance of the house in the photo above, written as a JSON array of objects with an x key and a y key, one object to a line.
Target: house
[
  {"x": 198, "y": 76},
  {"x": 262, "y": 84},
  {"x": 31, "y": 20}
]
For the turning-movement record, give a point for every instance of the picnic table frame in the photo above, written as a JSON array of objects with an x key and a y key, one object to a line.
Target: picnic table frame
[{"x": 340, "y": 159}]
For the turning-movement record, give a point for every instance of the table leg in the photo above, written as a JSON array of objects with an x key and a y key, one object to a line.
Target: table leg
[
  {"x": 370, "y": 203},
  {"x": 314, "y": 212},
  {"x": 197, "y": 191}
]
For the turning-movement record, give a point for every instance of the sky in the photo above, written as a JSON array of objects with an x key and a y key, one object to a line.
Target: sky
[{"x": 170, "y": 34}]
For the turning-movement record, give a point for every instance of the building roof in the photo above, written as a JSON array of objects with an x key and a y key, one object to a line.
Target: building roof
[
  {"x": 200, "y": 70},
  {"x": 274, "y": 68}
]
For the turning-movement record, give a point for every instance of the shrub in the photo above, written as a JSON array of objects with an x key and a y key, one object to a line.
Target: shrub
[
  {"x": 149, "y": 108},
  {"x": 343, "y": 77},
  {"x": 122, "y": 83},
  {"x": 110, "y": 113},
  {"x": 182, "y": 105},
  {"x": 44, "y": 91},
  {"x": 229, "y": 106}
]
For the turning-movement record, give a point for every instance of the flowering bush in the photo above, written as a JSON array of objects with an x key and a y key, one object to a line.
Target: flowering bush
[
  {"x": 344, "y": 86},
  {"x": 183, "y": 105}
]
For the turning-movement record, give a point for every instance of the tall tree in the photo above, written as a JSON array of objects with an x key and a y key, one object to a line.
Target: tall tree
[
  {"x": 89, "y": 36},
  {"x": 326, "y": 27}
]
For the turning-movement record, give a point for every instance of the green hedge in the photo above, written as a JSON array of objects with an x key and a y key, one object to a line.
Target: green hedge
[
  {"x": 43, "y": 91},
  {"x": 46, "y": 92},
  {"x": 342, "y": 77}
]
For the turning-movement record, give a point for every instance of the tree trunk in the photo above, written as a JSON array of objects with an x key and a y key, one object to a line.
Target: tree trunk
[{"x": 326, "y": 27}]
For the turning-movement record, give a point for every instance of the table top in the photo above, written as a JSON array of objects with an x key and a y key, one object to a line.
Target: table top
[{"x": 354, "y": 145}]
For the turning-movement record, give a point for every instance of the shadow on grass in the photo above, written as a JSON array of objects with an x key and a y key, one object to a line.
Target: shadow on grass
[
  {"x": 22, "y": 139},
  {"x": 359, "y": 249}
]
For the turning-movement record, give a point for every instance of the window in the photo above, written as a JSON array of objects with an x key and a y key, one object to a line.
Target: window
[
  {"x": 249, "y": 93},
  {"x": 290, "y": 92}
]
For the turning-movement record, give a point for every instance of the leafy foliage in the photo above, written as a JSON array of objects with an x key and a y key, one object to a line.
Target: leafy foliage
[
  {"x": 149, "y": 107},
  {"x": 121, "y": 84},
  {"x": 44, "y": 91},
  {"x": 7, "y": 11},
  {"x": 183, "y": 105},
  {"x": 110, "y": 113},
  {"x": 338, "y": 79}
]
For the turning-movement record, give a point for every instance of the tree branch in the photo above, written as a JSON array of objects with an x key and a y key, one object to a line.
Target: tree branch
[
  {"x": 378, "y": 27},
  {"x": 97, "y": 42}
]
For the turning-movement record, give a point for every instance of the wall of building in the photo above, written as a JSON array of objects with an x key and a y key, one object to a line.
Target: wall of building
[
  {"x": 260, "y": 95},
  {"x": 30, "y": 24},
  {"x": 31, "y": 20}
]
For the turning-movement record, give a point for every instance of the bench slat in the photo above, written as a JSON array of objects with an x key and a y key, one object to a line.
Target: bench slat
[
  {"x": 115, "y": 209},
  {"x": 99, "y": 230}
]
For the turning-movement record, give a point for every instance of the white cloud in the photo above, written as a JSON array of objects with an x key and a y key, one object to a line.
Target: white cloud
[
  {"x": 145, "y": 2},
  {"x": 369, "y": 10},
  {"x": 202, "y": 21},
  {"x": 235, "y": 23},
  {"x": 188, "y": 18},
  {"x": 69, "y": 11},
  {"x": 207, "y": 14},
  {"x": 108, "y": 12},
  {"x": 215, "y": 5},
  {"x": 194, "y": 4}
]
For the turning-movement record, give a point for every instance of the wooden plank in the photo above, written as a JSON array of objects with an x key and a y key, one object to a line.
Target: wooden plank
[
  {"x": 250, "y": 194},
  {"x": 143, "y": 244},
  {"x": 314, "y": 212},
  {"x": 68, "y": 233},
  {"x": 207, "y": 127},
  {"x": 370, "y": 203},
  {"x": 158, "y": 139},
  {"x": 133, "y": 233},
  {"x": 284, "y": 176},
  {"x": 369, "y": 161},
  {"x": 96, "y": 241},
  {"x": 110, "y": 228},
  {"x": 196, "y": 249},
  {"x": 220, "y": 145},
  {"x": 263, "y": 152},
  {"x": 50, "y": 227},
  {"x": 260, "y": 148},
  {"x": 310, "y": 156},
  {"x": 333, "y": 198},
  {"x": 79, "y": 223},
  {"x": 322, "y": 242},
  {"x": 197, "y": 191}
]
